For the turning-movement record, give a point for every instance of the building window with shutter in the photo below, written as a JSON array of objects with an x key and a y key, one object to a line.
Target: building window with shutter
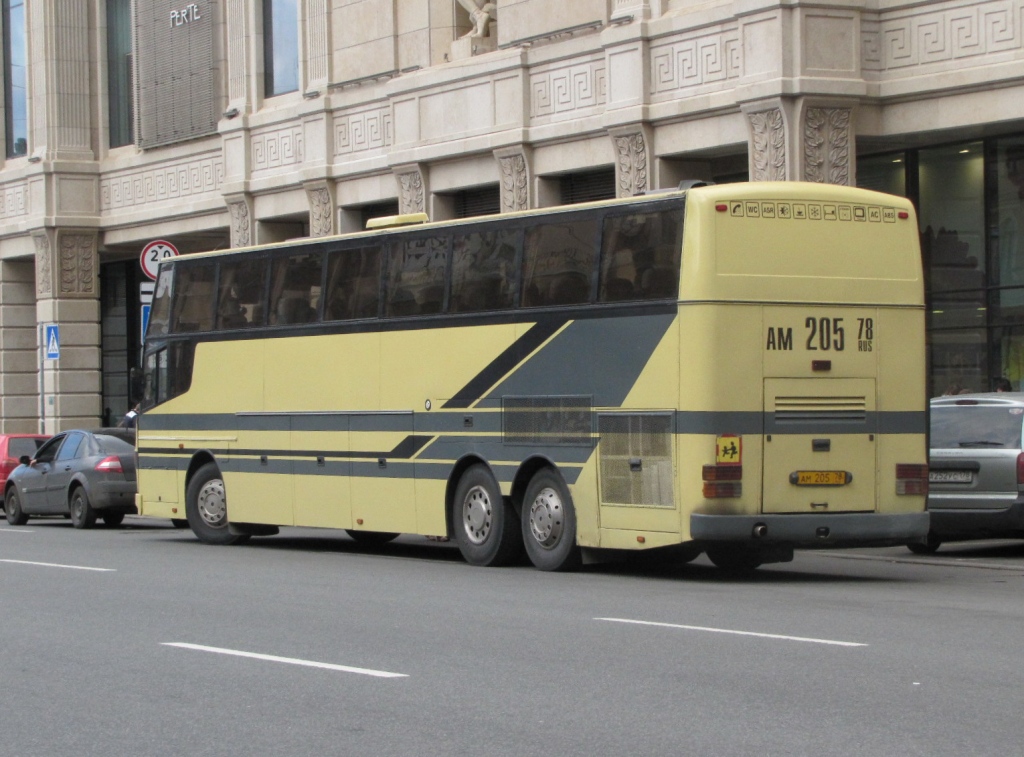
[
  {"x": 281, "y": 46},
  {"x": 120, "y": 89},
  {"x": 15, "y": 77}
]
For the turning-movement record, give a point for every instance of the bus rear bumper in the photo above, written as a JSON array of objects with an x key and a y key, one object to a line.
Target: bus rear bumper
[{"x": 812, "y": 530}]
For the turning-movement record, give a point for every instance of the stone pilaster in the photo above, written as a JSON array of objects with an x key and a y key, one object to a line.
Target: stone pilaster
[
  {"x": 412, "y": 188},
  {"x": 639, "y": 10},
  {"x": 243, "y": 221},
  {"x": 633, "y": 159},
  {"x": 321, "y": 208},
  {"x": 828, "y": 144},
  {"x": 317, "y": 45},
  {"x": 67, "y": 294},
  {"x": 59, "y": 89},
  {"x": 241, "y": 41},
  {"x": 19, "y": 353},
  {"x": 514, "y": 165}
]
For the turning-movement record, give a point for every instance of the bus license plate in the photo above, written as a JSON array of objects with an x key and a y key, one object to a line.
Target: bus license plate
[
  {"x": 950, "y": 476},
  {"x": 820, "y": 478}
]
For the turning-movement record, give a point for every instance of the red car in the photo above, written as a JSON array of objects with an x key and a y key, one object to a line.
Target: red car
[{"x": 12, "y": 447}]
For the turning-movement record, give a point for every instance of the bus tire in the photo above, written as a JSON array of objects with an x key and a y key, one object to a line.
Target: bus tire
[
  {"x": 12, "y": 508},
  {"x": 549, "y": 523},
  {"x": 486, "y": 528},
  {"x": 371, "y": 537},
  {"x": 206, "y": 506},
  {"x": 734, "y": 558},
  {"x": 929, "y": 546}
]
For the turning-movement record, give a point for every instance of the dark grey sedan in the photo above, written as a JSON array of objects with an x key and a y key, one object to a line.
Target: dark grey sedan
[
  {"x": 976, "y": 468},
  {"x": 83, "y": 474}
]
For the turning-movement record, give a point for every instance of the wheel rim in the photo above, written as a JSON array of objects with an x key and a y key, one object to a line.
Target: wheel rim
[
  {"x": 212, "y": 504},
  {"x": 76, "y": 507},
  {"x": 476, "y": 514},
  {"x": 546, "y": 518}
]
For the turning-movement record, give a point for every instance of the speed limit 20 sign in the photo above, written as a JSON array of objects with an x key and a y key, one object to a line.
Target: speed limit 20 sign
[{"x": 153, "y": 253}]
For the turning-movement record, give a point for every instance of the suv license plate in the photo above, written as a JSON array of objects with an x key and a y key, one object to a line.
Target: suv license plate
[
  {"x": 820, "y": 478},
  {"x": 950, "y": 476}
]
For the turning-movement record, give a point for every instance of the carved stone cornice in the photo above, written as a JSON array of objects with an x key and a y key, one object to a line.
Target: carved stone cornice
[
  {"x": 826, "y": 135},
  {"x": 514, "y": 165},
  {"x": 632, "y": 161},
  {"x": 768, "y": 145},
  {"x": 412, "y": 189}
]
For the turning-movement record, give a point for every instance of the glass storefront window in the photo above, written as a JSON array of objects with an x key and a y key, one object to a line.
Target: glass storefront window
[{"x": 883, "y": 173}]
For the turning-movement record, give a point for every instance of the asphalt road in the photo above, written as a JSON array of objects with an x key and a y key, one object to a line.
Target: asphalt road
[{"x": 139, "y": 640}]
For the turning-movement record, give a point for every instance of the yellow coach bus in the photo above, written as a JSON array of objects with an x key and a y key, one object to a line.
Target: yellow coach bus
[{"x": 734, "y": 369}]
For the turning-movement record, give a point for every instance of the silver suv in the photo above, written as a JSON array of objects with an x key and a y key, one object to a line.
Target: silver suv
[{"x": 976, "y": 468}]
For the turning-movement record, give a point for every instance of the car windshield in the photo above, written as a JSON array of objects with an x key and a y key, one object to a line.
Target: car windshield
[
  {"x": 958, "y": 426},
  {"x": 24, "y": 446},
  {"x": 113, "y": 444}
]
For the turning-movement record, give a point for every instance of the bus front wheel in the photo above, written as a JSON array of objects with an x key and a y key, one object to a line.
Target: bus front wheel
[
  {"x": 206, "y": 506},
  {"x": 485, "y": 524},
  {"x": 549, "y": 523}
]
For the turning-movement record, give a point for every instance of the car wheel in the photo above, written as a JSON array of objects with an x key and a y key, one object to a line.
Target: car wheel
[
  {"x": 82, "y": 514},
  {"x": 929, "y": 546},
  {"x": 113, "y": 519},
  {"x": 486, "y": 528},
  {"x": 12, "y": 508},
  {"x": 734, "y": 559},
  {"x": 206, "y": 505},
  {"x": 371, "y": 537},
  {"x": 549, "y": 523}
]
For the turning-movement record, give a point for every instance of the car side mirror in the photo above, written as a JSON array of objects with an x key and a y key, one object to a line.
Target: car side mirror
[{"x": 25, "y": 460}]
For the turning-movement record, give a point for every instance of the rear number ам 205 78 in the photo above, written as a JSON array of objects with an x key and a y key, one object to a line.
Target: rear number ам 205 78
[{"x": 823, "y": 334}]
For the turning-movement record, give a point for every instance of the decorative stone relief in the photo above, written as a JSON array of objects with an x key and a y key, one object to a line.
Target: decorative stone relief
[
  {"x": 44, "y": 264},
  {"x": 696, "y": 62},
  {"x": 630, "y": 164},
  {"x": 363, "y": 130},
  {"x": 480, "y": 14},
  {"x": 171, "y": 181},
  {"x": 78, "y": 255},
  {"x": 768, "y": 153},
  {"x": 515, "y": 180},
  {"x": 14, "y": 201},
  {"x": 827, "y": 145},
  {"x": 241, "y": 223},
  {"x": 321, "y": 211},
  {"x": 572, "y": 88},
  {"x": 412, "y": 191},
  {"x": 274, "y": 149}
]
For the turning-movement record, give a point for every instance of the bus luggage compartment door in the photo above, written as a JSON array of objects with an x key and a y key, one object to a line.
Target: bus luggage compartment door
[{"x": 819, "y": 446}]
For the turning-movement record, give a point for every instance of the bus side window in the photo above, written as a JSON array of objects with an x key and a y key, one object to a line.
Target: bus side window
[
  {"x": 160, "y": 314},
  {"x": 353, "y": 284},
  {"x": 240, "y": 299},
  {"x": 416, "y": 275},
  {"x": 193, "y": 299},
  {"x": 558, "y": 262},
  {"x": 640, "y": 256},
  {"x": 295, "y": 288},
  {"x": 483, "y": 270}
]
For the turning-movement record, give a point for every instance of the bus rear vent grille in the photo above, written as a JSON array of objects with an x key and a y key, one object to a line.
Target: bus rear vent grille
[
  {"x": 636, "y": 459},
  {"x": 547, "y": 420},
  {"x": 815, "y": 409}
]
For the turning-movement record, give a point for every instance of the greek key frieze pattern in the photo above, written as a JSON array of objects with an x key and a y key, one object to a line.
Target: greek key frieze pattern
[
  {"x": 696, "y": 62},
  {"x": 274, "y": 149},
  {"x": 14, "y": 201},
  {"x": 564, "y": 90},
  {"x": 164, "y": 182},
  {"x": 362, "y": 131},
  {"x": 951, "y": 32}
]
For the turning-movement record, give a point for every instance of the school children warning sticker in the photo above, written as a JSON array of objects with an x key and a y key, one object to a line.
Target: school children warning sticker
[{"x": 729, "y": 450}]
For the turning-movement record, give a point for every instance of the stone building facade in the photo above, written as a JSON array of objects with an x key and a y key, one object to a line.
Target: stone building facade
[{"x": 223, "y": 123}]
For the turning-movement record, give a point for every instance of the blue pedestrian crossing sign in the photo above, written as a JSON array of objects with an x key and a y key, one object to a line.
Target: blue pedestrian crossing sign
[{"x": 52, "y": 340}]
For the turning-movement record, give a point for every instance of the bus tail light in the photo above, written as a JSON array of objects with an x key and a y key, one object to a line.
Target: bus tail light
[
  {"x": 912, "y": 479},
  {"x": 111, "y": 464},
  {"x": 722, "y": 481}
]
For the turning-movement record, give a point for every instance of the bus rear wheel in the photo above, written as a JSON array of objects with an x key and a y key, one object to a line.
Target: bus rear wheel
[
  {"x": 206, "y": 506},
  {"x": 485, "y": 525},
  {"x": 549, "y": 523}
]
